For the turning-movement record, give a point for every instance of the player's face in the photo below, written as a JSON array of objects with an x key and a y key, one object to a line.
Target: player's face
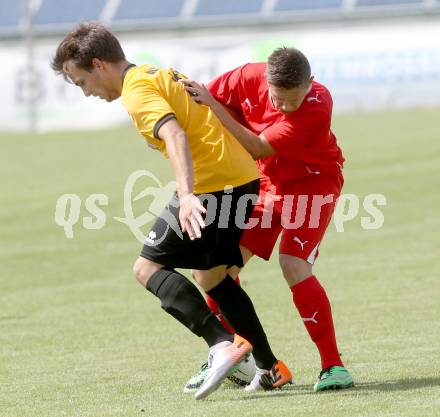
[
  {"x": 287, "y": 100},
  {"x": 98, "y": 82}
]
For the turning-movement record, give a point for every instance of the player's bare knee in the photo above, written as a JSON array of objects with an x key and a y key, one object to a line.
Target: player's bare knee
[
  {"x": 199, "y": 277},
  {"x": 138, "y": 273},
  {"x": 208, "y": 279},
  {"x": 143, "y": 269},
  {"x": 194, "y": 274},
  {"x": 294, "y": 269},
  {"x": 233, "y": 271}
]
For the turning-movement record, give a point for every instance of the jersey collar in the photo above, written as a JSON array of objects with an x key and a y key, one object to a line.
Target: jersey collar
[{"x": 124, "y": 72}]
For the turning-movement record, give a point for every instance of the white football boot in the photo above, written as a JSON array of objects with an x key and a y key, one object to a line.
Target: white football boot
[{"x": 222, "y": 358}]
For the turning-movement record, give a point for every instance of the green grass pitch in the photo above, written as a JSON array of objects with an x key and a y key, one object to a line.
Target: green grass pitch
[{"x": 78, "y": 336}]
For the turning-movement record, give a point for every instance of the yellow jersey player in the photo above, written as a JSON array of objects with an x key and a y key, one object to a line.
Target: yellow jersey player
[
  {"x": 217, "y": 185},
  {"x": 155, "y": 96}
]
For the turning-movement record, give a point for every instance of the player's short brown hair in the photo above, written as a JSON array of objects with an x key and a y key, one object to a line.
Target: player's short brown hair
[
  {"x": 287, "y": 68},
  {"x": 87, "y": 41}
]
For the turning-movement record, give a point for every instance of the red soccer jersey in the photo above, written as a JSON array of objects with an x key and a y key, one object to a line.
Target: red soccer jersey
[{"x": 303, "y": 140}]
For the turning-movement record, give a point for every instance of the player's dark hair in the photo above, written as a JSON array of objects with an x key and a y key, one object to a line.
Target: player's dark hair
[
  {"x": 287, "y": 68},
  {"x": 87, "y": 41}
]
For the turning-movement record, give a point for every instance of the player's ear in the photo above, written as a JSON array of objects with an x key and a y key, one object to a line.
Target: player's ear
[{"x": 98, "y": 64}]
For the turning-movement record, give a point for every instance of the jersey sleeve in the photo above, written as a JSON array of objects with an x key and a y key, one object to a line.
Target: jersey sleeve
[
  {"x": 148, "y": 109},
  {"x": 225, "y": 88}
]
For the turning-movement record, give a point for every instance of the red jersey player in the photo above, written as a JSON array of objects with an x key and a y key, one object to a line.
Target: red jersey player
[{"x": 285, "y": 124}]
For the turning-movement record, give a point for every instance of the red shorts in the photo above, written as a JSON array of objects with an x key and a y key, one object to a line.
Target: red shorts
[{"x": 300, "y": 210}]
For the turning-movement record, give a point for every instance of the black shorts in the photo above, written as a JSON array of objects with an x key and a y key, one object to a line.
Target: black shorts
[{"x": 227, "y": 211}]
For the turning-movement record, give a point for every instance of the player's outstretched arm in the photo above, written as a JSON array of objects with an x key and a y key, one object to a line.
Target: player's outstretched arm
[
  {"x": 191, "y": 209},
  {"x": 256, "y": 145}
]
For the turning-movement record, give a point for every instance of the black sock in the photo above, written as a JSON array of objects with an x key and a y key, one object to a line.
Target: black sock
[
  {"x": 238, "y": 309},
  {"x": 181, "y": 298}
]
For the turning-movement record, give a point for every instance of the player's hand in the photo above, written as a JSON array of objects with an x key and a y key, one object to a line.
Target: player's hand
[
  {"x": 198, "y": 92},
  {"x": 190, "y": 216}
]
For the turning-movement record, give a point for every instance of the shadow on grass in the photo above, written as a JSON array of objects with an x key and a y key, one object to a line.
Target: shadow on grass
[
  {"x": 406, "y": 384},
  {"x": 361, "y": 388},
  {"x": 11, "y": 318}
]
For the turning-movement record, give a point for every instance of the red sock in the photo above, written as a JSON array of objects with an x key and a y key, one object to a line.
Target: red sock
[
  {"x": 214, "y": 308},
  {"x": 314, "y": 308}
]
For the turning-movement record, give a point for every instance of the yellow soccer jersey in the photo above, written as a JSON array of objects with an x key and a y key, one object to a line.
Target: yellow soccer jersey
[{"x": 152, "y": 96}]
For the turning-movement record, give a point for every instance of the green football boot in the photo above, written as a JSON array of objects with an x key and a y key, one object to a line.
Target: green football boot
[
  {"x": 197, "y": 379},
  {"x": 333, "y": 377}
]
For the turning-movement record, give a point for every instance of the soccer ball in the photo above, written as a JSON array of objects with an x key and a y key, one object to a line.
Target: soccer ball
[{"x": 245, "y": 372}]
